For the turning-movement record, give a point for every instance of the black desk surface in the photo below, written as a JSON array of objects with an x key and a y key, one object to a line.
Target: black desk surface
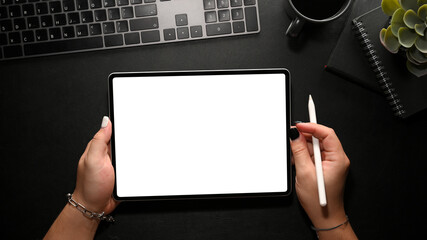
[{"x": 50, "y": 107}]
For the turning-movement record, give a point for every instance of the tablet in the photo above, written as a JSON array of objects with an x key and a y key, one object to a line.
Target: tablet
[{"x": 200, "y": 134}]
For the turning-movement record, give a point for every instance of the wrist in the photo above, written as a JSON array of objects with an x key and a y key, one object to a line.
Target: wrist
[
  {"x": 328, "y": 219},
  {"x": 343, "y": 231},
  {"x": 331, "y": 228},
  {"x": 88, "y": 213},
  {"x": 78, "y": 197},
  {"x": 78, "y": 220}
]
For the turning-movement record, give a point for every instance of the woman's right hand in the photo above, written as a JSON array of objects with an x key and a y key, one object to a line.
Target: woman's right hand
[{"x": 335, "y": 168}]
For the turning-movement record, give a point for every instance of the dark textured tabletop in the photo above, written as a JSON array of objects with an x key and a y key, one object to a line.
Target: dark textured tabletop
[{"x": 50, "y": 107}]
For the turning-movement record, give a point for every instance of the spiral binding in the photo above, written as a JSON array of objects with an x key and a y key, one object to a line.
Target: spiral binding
[{"x": 380, "y": 73}]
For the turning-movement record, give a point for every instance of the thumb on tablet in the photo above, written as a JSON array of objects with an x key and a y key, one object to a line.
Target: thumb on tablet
[
  {"x": 104, "y": 134},
  {"x": 99, "y": 146},
  {"x": 300, "y": 152}
]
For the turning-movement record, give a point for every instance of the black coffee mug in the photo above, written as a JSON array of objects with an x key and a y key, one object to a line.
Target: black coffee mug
[{"x": 313, "y": 11}]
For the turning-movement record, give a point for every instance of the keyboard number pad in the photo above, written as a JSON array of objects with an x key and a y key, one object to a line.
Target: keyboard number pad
[{"x": 224, "y": 17}]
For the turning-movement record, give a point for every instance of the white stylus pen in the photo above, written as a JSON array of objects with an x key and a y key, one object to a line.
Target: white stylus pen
[{"x": 317, "y": 156}]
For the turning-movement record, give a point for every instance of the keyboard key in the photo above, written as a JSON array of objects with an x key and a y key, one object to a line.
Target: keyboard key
[
  {"x": 6, "y": 2},
  {"x": 122, "y": 2},
  {"x": 55, "y": 7},
  {"x": 28, "y": 10},
  {"x": 46, "y": 21},
  {"x": 238, "y": 27},
  {"x": 210, "y": 17},
  {"x": 224, "y": 15},
  {"x": 218, "y": 29},
  {"x": 149, "y": 1},
  {"x": 146, "y": 10},
  {"x": 95, "y": 4},
  {"x": 209, "y": 4},
  {"x": 73, "y": 18},
  {"x": 3, "y": 12},
  {"x": 63, "y": 46},
  {"x": 169, "y": 34},
  {"x": 3, "y": 39},
  {"x": 127, "y": 12},
  {"x": 54, "y": 33},
  {"x": 100, "y": 15},
  {"x": 113, "y": 40},
  {"x": 144, "y": 23},
  {"x": 14, "y": 37},
  {"x": 41, "y": 8},
  {"x": 182, "y": 33},
  {"x": 109, "y": 3},
  {"x": 122, "y": 26},
  {"x": 27, "y": 36},
  {"x": 236, "y": 3},
  {"x": 113, "y": 14},
  {"x": 12, "y": 51},
  {"x": 19, "y": 24},
  {"x": 135, "y": 1},
  {"x": 249, "y": 2},
  {"x": 15, "y": 11},
  {"x": 251, "y": 19},
  {"x": 33, "y": 22},
  {"x": 6, "y": 25},
  {"x": 68, "y": 32},
  {"x": 132, "y": 38},
  {"x": 222, "y": 3},
  {"x": 68, "y": 5},
  {"x": 81, "y": 30},
  {"x": 108, "y": 27},
  {"x": 82, "y": 4},
  {"x": 41, "y": 35},
  {"x": 150, "y": 36},
  {"x": 87, "y": 17},
  {"x": 20, "y": 1},
  {"x": 181, "y": 20},
  {"x": 60, "y": 19},
  {"x": 237, "y": 14},
  {"x": 95, "y": 29},
  {"x": 196, "y": 31}
]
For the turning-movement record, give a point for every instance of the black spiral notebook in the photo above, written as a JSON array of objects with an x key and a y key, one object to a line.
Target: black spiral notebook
[{"x": 372, "y": 66}]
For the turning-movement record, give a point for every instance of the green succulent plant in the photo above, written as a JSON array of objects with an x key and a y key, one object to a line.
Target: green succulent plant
[{"x": 407, "y": 31}]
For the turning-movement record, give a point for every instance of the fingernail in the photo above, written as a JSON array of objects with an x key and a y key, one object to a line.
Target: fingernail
[
  {"x": 293, "y": 133},
  {"x": 296, "y": 122},
  {"x": 104, "y": 122}
]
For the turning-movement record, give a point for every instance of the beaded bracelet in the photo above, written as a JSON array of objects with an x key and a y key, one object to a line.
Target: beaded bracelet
[{"x": 332, "y": 228}]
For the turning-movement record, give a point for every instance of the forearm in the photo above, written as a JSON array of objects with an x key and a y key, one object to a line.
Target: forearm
[{"x": 72, "y": 224}]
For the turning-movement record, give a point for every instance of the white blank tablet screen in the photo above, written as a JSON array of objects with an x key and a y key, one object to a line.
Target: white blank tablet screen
[{"x": 196, "y": 135}]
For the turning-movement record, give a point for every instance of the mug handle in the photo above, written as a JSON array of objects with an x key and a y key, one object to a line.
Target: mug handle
[{"x": 295, "y": 27}]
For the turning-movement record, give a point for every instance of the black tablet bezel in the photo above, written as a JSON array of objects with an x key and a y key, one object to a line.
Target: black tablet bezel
[{"x": 192, "y": 73}]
